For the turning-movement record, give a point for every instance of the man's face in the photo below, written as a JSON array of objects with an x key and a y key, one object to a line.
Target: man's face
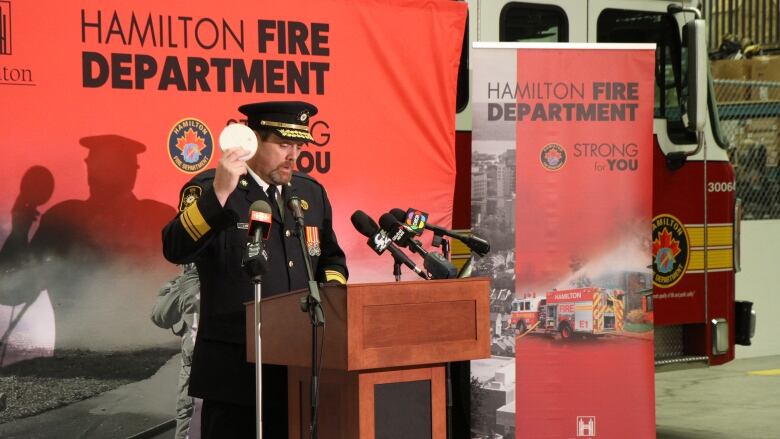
[{"x": 275, "y": 159}]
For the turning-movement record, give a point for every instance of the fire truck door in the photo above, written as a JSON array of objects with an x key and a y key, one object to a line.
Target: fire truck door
[
  {"x": 552, "y": 316},
  {"x": 583, "y": 317}
]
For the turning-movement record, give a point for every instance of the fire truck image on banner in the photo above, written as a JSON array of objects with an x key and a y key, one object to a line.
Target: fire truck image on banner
[{"x": 581, "y": 311}]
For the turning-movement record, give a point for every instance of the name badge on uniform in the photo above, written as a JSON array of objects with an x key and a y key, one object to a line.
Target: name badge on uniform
[
  {"x": 242, "y": 226},
  {"x": 313, "y": 241}
]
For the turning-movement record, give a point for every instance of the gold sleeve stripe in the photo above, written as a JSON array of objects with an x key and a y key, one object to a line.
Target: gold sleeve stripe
[
  {"x": 197, "y": 220},
  {"x": 333, "y": 275},
  {"x": 184, "y": 220},
  {"x": 193, "y": 221}
]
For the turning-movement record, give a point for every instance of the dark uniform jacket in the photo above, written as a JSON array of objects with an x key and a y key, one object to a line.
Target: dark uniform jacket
[{"x": 215, "y": 239}]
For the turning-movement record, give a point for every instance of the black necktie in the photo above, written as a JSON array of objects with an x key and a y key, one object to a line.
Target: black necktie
[{"x": 275, "y": 200}]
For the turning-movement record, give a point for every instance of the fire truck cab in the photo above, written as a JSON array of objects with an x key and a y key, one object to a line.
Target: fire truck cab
[
  {"x": 525, "y": 312},
  {"x": 696, "y": 316}
]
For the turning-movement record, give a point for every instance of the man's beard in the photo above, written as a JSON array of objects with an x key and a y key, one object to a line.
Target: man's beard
[{"x": 278, "y": 179}]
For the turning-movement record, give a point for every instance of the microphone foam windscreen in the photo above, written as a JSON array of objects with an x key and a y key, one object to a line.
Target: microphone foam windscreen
[
  {"x": 363, "y": 223},
  {"x": 399, "y": 214},
  {"x": 260, "y": 206},
  {"x": 388, "y": 223}
]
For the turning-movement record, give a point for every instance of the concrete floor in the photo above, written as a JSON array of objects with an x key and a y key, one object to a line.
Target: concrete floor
[{"x": 738, "y": 400}]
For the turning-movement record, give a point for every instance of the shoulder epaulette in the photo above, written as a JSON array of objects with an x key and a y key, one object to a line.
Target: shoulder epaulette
[{"x": 306, "y": 177}]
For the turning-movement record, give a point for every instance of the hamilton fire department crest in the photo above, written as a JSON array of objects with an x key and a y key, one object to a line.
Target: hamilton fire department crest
[
  {"x": 190, "y": 145},
  {"x": 553, "y": 156},
  {"x": 671, "y": 252}
]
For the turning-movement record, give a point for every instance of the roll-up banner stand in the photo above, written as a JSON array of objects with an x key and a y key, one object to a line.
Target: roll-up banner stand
[{"x": 562, "y": 183}]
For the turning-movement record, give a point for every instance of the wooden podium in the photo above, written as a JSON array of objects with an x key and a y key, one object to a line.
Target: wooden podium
[{"x": 384, "y": 353}]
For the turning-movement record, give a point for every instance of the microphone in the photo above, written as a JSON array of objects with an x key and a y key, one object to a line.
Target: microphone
[
  {"x": 437, "y": 266},
  {"x": 379, "y": 241},
  {"x": 260, "y": 220},
  {"x": 478, "y": 245},
  {"x": 401, "y": 233},
  {"x": 255, "y": 260},
  {"x": 294, "y": 204}
]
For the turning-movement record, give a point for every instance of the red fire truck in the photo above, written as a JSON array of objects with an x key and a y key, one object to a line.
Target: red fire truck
[
  {"x": 579, "y": 311},
  {"x": 695, "y": 231}
]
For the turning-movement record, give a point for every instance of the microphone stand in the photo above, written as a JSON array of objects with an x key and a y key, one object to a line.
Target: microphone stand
[
  {"x": 397, "y": 270},
  {"x": 445, "y": 249},
  {"x": 258, "y": 283},
  {"x": 313, "y": 305},
  {"x": 255, "y": 266},
  {"x": 440, "y": 240}
]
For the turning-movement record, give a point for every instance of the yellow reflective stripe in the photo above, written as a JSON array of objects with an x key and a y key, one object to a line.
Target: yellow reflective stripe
[
  {"x": 721, "y": 258},
  {"x": 333, "y": 275},
  {"x": 716, "y": 235},
  {"x": 459, "y": 261},
  {"x": 458, "y": 248},
  {"x": 194, "y": 222}
]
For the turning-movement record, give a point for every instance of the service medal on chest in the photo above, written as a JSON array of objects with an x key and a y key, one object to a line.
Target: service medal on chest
[{"x": 313, "y": 241}]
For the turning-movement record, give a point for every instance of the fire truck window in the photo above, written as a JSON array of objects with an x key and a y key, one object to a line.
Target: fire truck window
[
  {"x": 623, "y": 26},
  {"x": 533, "y": 23}
]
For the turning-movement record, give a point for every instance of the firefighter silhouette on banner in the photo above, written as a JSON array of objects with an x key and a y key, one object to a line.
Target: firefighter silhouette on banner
[{"x": 94, "y": 258}]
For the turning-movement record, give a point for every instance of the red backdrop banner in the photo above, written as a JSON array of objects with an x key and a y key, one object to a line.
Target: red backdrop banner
[{"x": 100, "y": 100}]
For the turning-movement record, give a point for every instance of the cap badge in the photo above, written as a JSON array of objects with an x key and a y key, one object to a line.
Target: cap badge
[{"x": 304, "y": 116}]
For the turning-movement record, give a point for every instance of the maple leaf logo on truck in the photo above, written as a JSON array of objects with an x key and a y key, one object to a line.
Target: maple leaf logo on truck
[
  {"x": 670, "y": 250},
  {"x": 665, "y": 249}
]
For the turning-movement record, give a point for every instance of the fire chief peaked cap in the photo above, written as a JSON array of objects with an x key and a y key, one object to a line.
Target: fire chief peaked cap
[{"x": 288, "y": 119}]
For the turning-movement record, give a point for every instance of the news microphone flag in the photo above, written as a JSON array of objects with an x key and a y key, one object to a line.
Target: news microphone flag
[
  {"x": 416, "y": 220},
  {"x": 258, "y": 218}
]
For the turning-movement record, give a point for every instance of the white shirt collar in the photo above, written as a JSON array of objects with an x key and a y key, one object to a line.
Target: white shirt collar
[{"x": 262, "y": 182}]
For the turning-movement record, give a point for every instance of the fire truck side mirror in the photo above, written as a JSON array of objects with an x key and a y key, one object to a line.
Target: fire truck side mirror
[{"x": 697, "y": 74}]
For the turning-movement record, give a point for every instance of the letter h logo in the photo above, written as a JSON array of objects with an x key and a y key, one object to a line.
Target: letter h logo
[
  {"x": 5, "y": 28},
  {"x": 586, "y": 426}
]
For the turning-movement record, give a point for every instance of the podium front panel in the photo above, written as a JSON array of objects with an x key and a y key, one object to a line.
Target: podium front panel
[
  {"x": 403, "y": 410},
  {"x": 381, "y": 396},
  {"x": 379, "y": 325},
  {"x": 419, "y": 322}
]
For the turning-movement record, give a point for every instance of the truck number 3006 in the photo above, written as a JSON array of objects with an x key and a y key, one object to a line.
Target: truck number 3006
[{"x": 721, "y": 186}]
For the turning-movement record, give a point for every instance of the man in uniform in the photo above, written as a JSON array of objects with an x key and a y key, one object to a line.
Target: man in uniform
[{"x": 210, "y": 230}]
